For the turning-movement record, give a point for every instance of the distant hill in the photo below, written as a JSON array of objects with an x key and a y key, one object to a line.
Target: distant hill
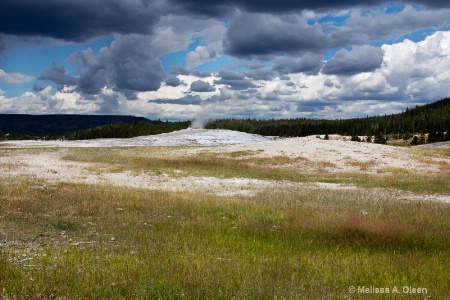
[{"x": 30, "y": 126}]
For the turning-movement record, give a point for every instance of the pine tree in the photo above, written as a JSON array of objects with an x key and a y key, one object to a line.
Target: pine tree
[{"x": 380, "y": 138}]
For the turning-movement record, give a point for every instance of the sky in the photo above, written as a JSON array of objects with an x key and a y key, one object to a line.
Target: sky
[{"x": 191, "y": 59}]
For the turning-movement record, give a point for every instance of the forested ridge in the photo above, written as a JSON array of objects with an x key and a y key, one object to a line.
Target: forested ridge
[
  {"x": 432, "y": 119},
  {"x": 23, "y": 126},
  {"x": 127, "y": 130}
]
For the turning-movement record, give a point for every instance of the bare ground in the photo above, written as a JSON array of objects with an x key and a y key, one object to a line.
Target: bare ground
[{"x": 331, "y": 156}]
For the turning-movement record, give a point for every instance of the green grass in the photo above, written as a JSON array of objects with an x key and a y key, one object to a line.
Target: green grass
[{"x": 103, "y": 242}]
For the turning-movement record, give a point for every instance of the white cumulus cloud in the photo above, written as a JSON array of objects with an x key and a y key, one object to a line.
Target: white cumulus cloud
[{"x": 14, "y": 77}]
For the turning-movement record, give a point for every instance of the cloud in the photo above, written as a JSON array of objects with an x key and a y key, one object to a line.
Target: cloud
[
  {"x": 173, "y": 82},
  {"x": 135, "y": 67},
  {"x": 179, "y": 70},
  {"x": 201, "y": 86},
  {"x": 187, "y": 100},
  {"x": 198, "y": 57},
  {"x": 76, "y": 20},
  {"x": 276, "y": 49},
  {"x": 2, "y": 43},
  {"x": 410, "y": 73},
  {"x": 366, "y": 28},
  {"x": 262, "y": 73},
  {"x": 431, "y": 56},
  {"x": 58, "y": 75},
  {"x": 126, "y": 65},
  {"x": 359, "y": 59},
  {"x": 233, "y": 80},
  {"x": 265, "y": 34},
  {"x": 225, "y": 7},
  {"x": 93, "y": 70},
  {"x": 308, "y": 64},
  {"x": 14, "y": 77},
  {"x": 328, "y": 83}
]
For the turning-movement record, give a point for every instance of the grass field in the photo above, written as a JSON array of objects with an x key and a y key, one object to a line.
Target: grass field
[{"x": 66, "y": 240}]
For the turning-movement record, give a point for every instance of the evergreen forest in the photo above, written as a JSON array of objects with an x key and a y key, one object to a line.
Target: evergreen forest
[{"x": 431, "y": 119}]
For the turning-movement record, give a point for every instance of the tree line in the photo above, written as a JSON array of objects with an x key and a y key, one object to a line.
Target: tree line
[{"x": 432, "y": 119}]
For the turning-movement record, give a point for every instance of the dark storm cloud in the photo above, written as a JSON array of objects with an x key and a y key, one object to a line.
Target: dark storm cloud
[
  {"x": 309, "y": 64},
  {"x": 80, "y": 20},
  {"x": 135, "y": 66},
  {"x": 223, "y": 7},
  {"x": 58, "y": 75},
  {"x": 2, "y": 43},
  {"x": 201, "y": 86},
  {"x": 127, "y": 65},
  {"x": 234, "y": 81},
  {"x": 75, "y": 20},
  {"x": 94, "y": 70},
  {"x": 360, "y": 59},
  {"x": 264, "y": 34}
]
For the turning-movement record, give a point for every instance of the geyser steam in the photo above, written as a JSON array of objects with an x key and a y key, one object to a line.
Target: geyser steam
[{"x": 199, "y": 123}]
